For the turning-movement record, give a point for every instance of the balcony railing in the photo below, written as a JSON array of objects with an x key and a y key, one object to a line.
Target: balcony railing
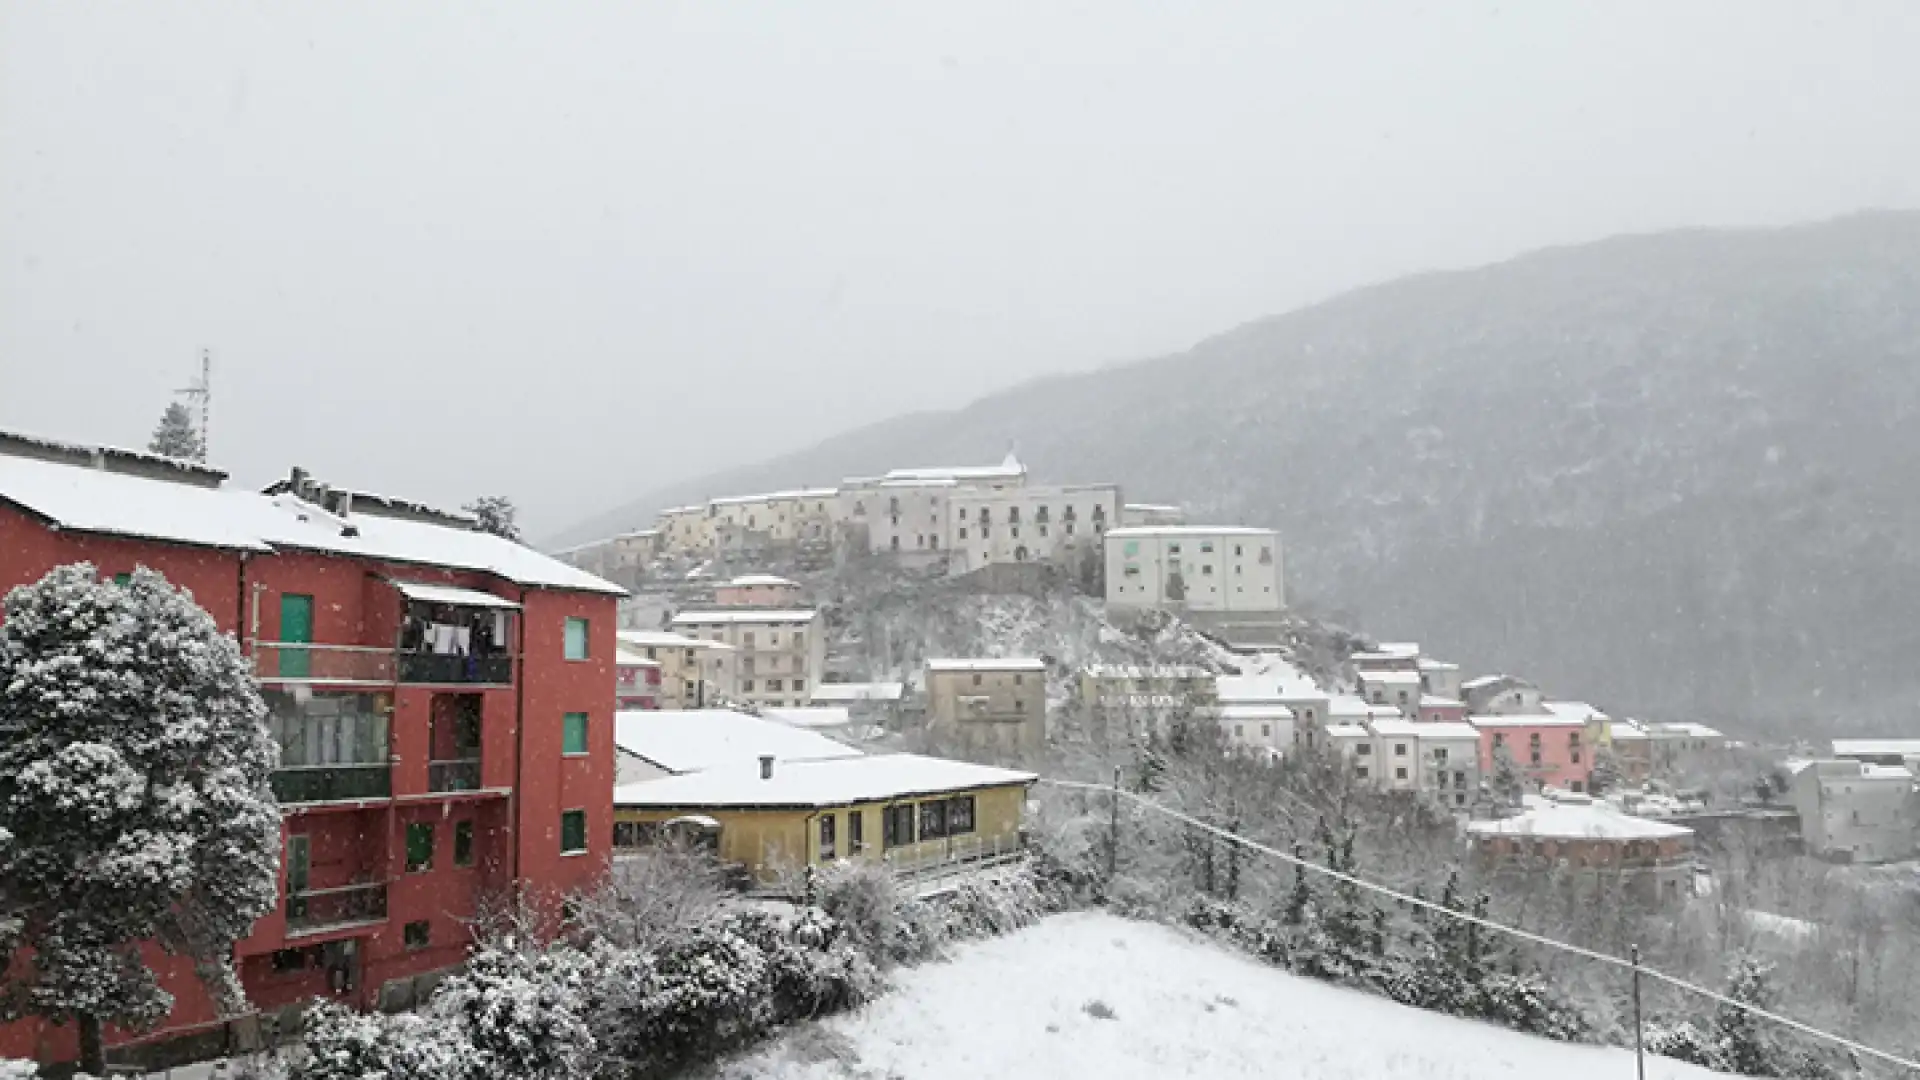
[
  {"x": 332, "y": 783},
  {"x": 445, "y": 669},
  {"x": 296, "y": 662},
  {"x": 276, "y": 662},
  {"x": 315, "y": 911},
  {"x": 459, "y": 774}
]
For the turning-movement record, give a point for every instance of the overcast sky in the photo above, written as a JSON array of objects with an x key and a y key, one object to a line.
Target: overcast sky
[{"x": 570, "y": 252}]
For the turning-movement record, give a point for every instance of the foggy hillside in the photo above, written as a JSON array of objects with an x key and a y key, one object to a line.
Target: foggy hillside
[{"x": 1669, "y": 473}]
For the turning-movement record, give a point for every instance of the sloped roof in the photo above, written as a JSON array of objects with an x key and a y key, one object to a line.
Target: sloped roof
[
  {"x": 1576, "y": 821},
  {"x": 809, "y": 784},
  {"x": 694, "y": 740}
]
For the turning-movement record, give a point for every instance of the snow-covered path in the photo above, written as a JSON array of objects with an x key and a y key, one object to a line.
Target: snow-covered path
[{"x": 1019, "y": 1007}]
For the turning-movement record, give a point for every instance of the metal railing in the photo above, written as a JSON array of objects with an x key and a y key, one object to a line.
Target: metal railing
[
  {"x": 447, "y": 669},
  {"x": 456, "y": 774},
  {"x": 314, "y": 911},
  {"x": 301, "y": 662},
  {"x": 332, "y": 783},
  {"x": 933, "y": 858}
]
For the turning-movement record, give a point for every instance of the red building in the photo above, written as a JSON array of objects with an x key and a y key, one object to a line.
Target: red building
[
  {"x": 637, "y": 680},
  {"x": 443, "y": 700}
]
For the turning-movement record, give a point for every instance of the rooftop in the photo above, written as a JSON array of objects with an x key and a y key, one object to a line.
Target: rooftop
[
  {"x": 859, "y": 691},
  {"x": 745, "y": 581},
  {"x": 775, "y": 496},
  {"x": 1448, "y": 730},
  {"x": 1265, "y": 688},
  {"x": 1876, "y": 748},
  {"x": 1347, "y": 731},
  {"x": 94, "y": 500},
  {"x": 1576, "y": 821},
  {"x": 693, "y": 740},
  {"x": 1009, "y": 663},
  {"x": 1574, "y": 710},
  {"x": 811, "y": 784},
  {"x": 1153, "y": 508},
  {"x": 810, "y": 716},
  {"x": 1435, "y": 701},
  {"x": 748, "y": 615},
  {"x": 628, "y": 656},
  {"x": 1437, "y": 665},
  {"x": 1255, "y": 712},
  {"x": 1530, "y": 720},
  {"x": 658, "y": 639},
  {"x": 1407, "y": 677},
  {"x": 1146, "y": 532},
  {"x": 1008, "y": 469}
]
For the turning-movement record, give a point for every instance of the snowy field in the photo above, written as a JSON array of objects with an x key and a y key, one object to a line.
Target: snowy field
[{"x": 1022, "y": 1006}]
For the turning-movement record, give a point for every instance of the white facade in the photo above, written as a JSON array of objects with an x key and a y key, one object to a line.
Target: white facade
[
  {"x": 1502, "y": 695},
  {"x": 753, "y": 522},
  {"x": 1138, "y": 515},
  {"x": 906, "y": 520},
  {"x": 1855, "y": 812},
  {"x": 1210, "y": 568},
  {"x": 1257, "y": 727},
  {"x": 778, "y": 655},
  {"x": 1398, "y": 689},
  {"x": 1027, "y": 524}
]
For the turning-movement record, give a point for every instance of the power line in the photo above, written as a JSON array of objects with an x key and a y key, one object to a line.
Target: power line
[{"x": 1489, "y": 924}]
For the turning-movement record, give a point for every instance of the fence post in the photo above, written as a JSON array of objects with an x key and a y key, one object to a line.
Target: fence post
[
  {"x": 1639, "y": 1039},
  {"x": 1113, "y": 829}
]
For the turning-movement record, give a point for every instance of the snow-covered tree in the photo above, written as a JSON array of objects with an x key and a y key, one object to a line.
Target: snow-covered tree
[
  {"x": 177, "y": 436},
  {"x": 134, "y": 796},
  {"x": 522, "y": 1011},
  {"x": 1606, "y": 771},
  {"x": 495, "y": 514},
  {"x": 1507, "y": 781}
]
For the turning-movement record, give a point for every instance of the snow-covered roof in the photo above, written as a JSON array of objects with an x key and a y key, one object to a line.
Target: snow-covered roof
[
  {"x": 681, "y": 510},
  {"x": 1175, "y": 532},
  {"x": 1396, "y": 729},
  {"x": 1483, "y": 681},
  {"x": 1389, "y": 677},
  {"x": 1532, "y": 720},
  {"x": 1885, "y": 772},
  {"x": 1574, "y": 710},
  {"x": 1152, "y": 671},
  {"x": 1255, "y": 712},
  {"x": 1876, "y": 748},
  {"x": 659, "y": 639},
  {"x": 750, "y": 615},
  {"x": 1007, "y": 663},
  {"x": 810, "y": 784},
  {"x": 746, "y": 581},
  {"x": 628, "y": 656},
  {"x": 1437, "y": 665},
  {"x": 1577, "y": 821},
  {"x": 775, "y": 496},
  {"x": 1686, "y": 729},
  {"x": 1435, "y": 701},
  {"x": 1152, "y": 508},
  {"x": 448, "y": 594},
  {"x": 691, "y": 740},
  {"x": 1347, "y": 731},
  {"x": 1228, "y": 689},
  {"x": 1008, "y": 469},
  {"x": 1348, "y": 705},
  {"x": 810, "y": 716},
  {"x": 1449, "y": 730},
  {"x": 859, "y": 691},
  {"x": 92, "y": 500}
]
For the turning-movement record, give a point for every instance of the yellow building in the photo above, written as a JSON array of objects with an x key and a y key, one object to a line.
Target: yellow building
[{"x": 905, "y": 810}]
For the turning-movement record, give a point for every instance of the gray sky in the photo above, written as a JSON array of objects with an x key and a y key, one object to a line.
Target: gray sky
[{"x": 572, "y": 251}]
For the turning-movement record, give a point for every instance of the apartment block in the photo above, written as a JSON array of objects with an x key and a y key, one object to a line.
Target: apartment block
[
  {"x": 779, "y": 654},
  {"x": 1198, "y": 568},
  {"x": 991, "y": 708}
]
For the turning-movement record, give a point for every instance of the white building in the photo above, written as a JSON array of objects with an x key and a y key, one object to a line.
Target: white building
[
  {"x": 906, "y": 513},
  {"x": 1266, "y": 728},
  {"x": 1027, "y": 524},
  {"x": 1399, "y": 689},
  {"x": 1202, "y": 568},
  {"x": 1501, "y": 695},
  {"x": 1855, "y": 812},
  {"x": 779, "y": 654},
  {"x": 693, "y": 671},
  {"x": 686, "y": 530}
]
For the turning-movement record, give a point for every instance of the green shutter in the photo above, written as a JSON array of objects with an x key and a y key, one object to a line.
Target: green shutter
[
  {"x": 123, "y": 579},
  {"x": 573, "y": 739},
  {"x": 573, "y": 831},
  {"x": 576, "y": 639}
]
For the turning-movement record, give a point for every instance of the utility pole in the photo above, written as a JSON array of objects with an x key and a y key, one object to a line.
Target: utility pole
[
  {"x": 1113, "y": 835},
  {"x": 1639, "y": 1050},
  {"x": 200, "y": 394}
]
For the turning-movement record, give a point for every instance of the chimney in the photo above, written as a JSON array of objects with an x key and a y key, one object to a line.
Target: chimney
[
  {"x": 766, "y": 766},
  {"x": 297, "y": 482}
]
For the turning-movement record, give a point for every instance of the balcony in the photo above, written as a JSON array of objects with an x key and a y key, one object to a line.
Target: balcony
[
  {"x": 299, "y": 662},
  {"x": 332, "y": 783},
  {"x": 317, "y": 911},
  {"x": 438, "y": 669},
  {"x": 461, "y": 774}
]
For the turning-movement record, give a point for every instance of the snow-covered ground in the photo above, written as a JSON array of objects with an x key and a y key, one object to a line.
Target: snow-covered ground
[{"x": 1024, "y": 1005}]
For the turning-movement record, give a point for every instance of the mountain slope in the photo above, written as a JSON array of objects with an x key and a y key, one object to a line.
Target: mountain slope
[
  {"x": 1669, "y": 473},
  {"x": 1018, "y": 1006}
]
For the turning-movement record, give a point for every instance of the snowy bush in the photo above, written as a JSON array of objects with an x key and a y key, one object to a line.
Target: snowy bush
[
  {"x": 865, "y": 900},
  {"x": 15, "y": 1069},
  {"x": 340, "y": 1044},
  {"x": 133, "y": 793},
  {"x": 520, "y": 1010},
  {"x": 708, "y": 994}
]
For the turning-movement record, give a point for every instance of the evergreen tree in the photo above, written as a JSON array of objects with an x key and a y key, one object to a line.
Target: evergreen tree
[
  {"x": 495, "y": 514},
  {"x": 1738, "y": 1039},
  {"x": 177, "y": 436},
  {"x": 1508, "y": 782},
  {"x": 1606, "y": 771},
  {"x": 133, "y": 796},
  {"x": 1300, "y": 900}
]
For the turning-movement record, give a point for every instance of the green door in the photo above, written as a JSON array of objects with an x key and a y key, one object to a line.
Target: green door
[{"x": 296, "y": 628}]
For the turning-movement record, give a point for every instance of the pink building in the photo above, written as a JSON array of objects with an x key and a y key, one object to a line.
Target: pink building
[
  {"x": 636, "y": 680},
  {"x": 757, "y": 590},
  {"x": 1550, "y": 750},
  {"x": 1435, "y": 709}
]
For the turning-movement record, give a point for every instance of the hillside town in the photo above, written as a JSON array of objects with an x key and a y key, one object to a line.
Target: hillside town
[{"x": 459, "y": 716}]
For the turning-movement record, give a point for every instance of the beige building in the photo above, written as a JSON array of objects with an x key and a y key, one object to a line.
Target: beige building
[
  {"x": 686, "y": 530},
  {"x": 758, "y": 590},
  {"x": 744, "y": 524},
  {"x": 1397, "y": 689},
  {"x": 907, "y": 513},
  {"x": 778, "y": 653},
  {"x": 994, "y": 708},
  {"x": 1023, "y": 524},
  {"x": 1852, "y": 811},
  {"x": 1199, "y": 568},
  {"x": 622, "y": 559},
  {"x": 694, "y": 672}
]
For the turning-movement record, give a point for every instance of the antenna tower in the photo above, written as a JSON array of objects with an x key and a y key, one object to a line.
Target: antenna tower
[{"x": 200, "y": 394}]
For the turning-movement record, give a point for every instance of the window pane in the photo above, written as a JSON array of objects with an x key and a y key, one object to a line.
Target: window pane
[
  {"x": 960, "y": 815},
  {"x": 574, "y": 734},
  {"x": 573, "y": 831},
  {"x": 933, "y": 820},
  {"x": 463, "y": 843},
  {"x": 576, "y": 639},
  {"x": 419, "y": 846}
]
